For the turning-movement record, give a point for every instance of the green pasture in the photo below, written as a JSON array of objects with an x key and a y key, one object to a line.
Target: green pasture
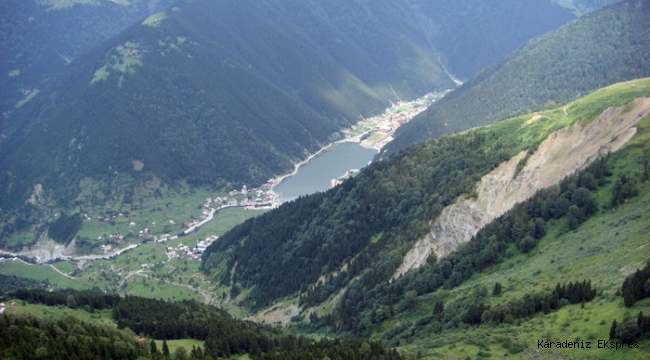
[
  {"x": 97, "y": 317},
  {"x": 603, "y": 250},
  {"x": 39, "y": 272},
  {"x": 175, "y": 345}
]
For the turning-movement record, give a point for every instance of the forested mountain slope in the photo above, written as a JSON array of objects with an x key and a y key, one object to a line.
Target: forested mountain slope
[
  {"x": 40, "y": 37},
  {"x": 598, "y": 49},
  {"x": 73, "y": 330},
  {"x": 359, "y": 232},
  {"x": 216, "y": 92}
]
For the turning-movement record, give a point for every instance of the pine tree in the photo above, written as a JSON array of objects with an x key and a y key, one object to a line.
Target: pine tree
[
  {"x": 612, "y": 330},
  {"x": 154, "y": 349},
  {"x": 496, "y": 291},
  {"x": 165, "y": 349}
]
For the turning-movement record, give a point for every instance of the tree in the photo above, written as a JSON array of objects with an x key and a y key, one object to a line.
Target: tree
[
  {"x": 574, "y": 217},
  {"x": 153, "y": 348},
  {"x": 627, "y": 331},
  {"x": 474, "y": 313},
  {"x": 527, "y": 244},
  {"x": 496, "y": 291},
  {"x": 165, "y": 349},
  {"x": 581, "y": 197},
  {"x": 612, "y": 330},
  {"x": 71, "y": 302}
]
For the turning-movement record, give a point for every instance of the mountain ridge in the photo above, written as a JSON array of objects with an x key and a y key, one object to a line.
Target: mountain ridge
[
  {"x": 508, "y": 185},
  {"x": 202, "y": 95},
  {"x": 380, "y": 213},
  {"x": 554, "y": 68}
]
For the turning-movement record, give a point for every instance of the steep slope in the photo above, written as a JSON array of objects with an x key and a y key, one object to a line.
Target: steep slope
[
  {"x": 40, "y": 37},
  {"x": 318, "y": 245},
  {"x": 564, "y": 152},
  {"x": 215, "y": 93},
  {"x": 601, "y": 251},
  {"x": 598, "y": 49}
]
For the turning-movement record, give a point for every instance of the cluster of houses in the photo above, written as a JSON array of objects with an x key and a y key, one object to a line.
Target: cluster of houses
[
  {"x": 248, "y": 197},
  {"x": 257, "y": 198},
  {"x": 192, "y": 253},
  {"x": 131, "y": 53},
  {"x": 104, "y": 218},
  {"x": 391, "y": 119},
  {"x": 113, "y": 238}
]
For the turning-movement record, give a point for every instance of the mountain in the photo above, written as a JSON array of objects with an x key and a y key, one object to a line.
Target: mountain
[
  {"x": 40, "y": 37},
  {"x": 69, "y": 331},
  {"x": 370, "y": 226},
  {"x": 217, "y": 93},
  {"x": 596, "y": 50},
  {"x": 393, "y": 203},
  {"x": 552, "y": 190}
]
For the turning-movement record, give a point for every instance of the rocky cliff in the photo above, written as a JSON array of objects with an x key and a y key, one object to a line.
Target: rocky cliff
[{"x": 563, "y": 152}]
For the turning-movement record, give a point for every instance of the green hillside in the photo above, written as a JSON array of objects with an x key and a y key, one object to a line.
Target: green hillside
[
  {"x": 603, "y": 250},
  {"x": 596, "y": 50},
  {"x": 369, "y": 222},
  {"x": 334, "y": 253},
  {"x": 91, "y": 325},
  {"x": 560, "y": 258},
  {"x": 41, "y": 37},
  {"x": 219, "y": 94}
]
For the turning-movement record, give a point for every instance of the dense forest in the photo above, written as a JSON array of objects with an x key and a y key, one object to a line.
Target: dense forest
[
  {"x": 556, "y": 67},
  {"x": 570, "y": 202},
  {"x": 370, "y": 221},
  {"x": 157, "y": 319},
  {"x": 12, "y": 283},
  {"x": 40, "y": 38},
  {"x": 205, "y": 91}
]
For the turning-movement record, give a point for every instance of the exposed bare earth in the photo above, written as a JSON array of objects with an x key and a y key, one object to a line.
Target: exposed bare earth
[
  {"x": 277, "y": 313},
  {"x": 562, "y": 153},
  {"x": 46, "y": 249}
]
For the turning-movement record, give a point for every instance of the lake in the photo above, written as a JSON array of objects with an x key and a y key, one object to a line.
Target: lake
[{"x": 317, "y": 174}]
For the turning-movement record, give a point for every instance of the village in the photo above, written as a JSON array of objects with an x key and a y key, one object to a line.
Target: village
[
  {"x": 261, "y": 198},
  {"x": 371, "y": 132},
  {"x": 377, "y": 131}
]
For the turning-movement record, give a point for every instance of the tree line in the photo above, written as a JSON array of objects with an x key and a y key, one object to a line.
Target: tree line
[
  {"x": 222, "y": 334},
  {"x": 570, "y": 203},
  {"x": 635, "y": 287}
]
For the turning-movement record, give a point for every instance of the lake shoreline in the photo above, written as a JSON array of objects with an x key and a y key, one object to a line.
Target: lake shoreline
[
  {"x": 277, "y": 180},
  {"x": 383, "y": 124}
]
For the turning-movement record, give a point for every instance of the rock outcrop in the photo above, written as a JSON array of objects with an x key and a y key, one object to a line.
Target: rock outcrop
[{"x": 563, "y": 152}]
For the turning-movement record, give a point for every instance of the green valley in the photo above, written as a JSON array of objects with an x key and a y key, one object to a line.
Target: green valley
[
  {"x": 556, "y": 67},
  {"x": 506, "y": 215},
  {"x": 355, "y": 297},
  {"x": 425, "y": 312},
  {"x": 217, "y": 95}
]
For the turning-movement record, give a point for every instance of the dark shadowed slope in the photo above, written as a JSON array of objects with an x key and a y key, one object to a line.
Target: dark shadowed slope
[
  {"x": 215, "y": 91},
  {"x": 596, "y": 50}
]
